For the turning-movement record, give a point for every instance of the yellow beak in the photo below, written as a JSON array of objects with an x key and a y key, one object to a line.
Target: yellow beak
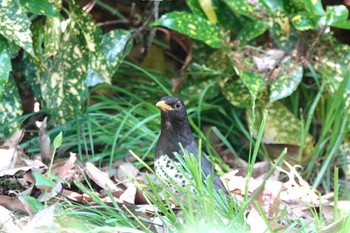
[{"x": 161, "y": 104}]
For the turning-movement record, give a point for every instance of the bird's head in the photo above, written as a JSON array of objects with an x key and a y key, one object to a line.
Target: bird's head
[{"x": 173, "y": 111}]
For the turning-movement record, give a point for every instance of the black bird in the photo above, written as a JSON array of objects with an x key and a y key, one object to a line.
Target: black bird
[{"x": 175, "y": 129}]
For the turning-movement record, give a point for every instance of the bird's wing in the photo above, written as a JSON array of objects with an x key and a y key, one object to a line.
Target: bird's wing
[{"x": 206, "y": 166}]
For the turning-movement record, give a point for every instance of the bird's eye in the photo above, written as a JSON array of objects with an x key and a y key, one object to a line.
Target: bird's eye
[{"x": 177, "y": 105}]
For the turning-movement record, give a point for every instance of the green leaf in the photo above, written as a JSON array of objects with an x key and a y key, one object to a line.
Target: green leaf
[
  {"x": 314, "y": 7},
  {"x": 98, "y": 71},
  {"x": 33, "y": 203},
  {"x": 52, "y": 35},
  {"x": 209, "y": 10},
  {"x": 336, "y": 15},
  {"x": 282, "y": 127},
  {"x": 193, "y": 26},
  {"x": 282, "y": 31},
  {"x": 289, "y": 78},
  {"x": 302, "y": 22},
  {"x": 236, "y": 93},
  {"x": 243, "y": 8},
  {"x": 254, "y": 82},
  {"x": 113, "y": 48},
  {"x": 57, "y": 142},
  {"x": 195, "y": 7},
  {"x": 5, "y": 65},
  {"x": 41, "y": 180},
  {"x": 251, "y": 30},
  {"x": 40, "y": 7},
  {"x": 63, "y": 82},
  {"x": 15, "y": 25},
  {"x": 273, "y": 5},
  {"x": 332, "y": 64},
  {"x": 10, "y": 108}
]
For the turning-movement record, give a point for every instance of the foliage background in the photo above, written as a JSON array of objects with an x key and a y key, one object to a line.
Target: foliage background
[{"x": 98, "y": 67}]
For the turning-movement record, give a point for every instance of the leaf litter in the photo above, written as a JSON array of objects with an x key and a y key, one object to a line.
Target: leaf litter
[{"x": 19, "y": 178}]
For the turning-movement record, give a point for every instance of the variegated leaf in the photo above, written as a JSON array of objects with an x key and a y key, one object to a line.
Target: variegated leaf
[
  {"x": 193, "y": 26},
  {"x": 10, "y": 108},
  {"x": 5, "y": 65},
  {"x": 15, "y": 25},
  {"x": 287, "y": 82}
]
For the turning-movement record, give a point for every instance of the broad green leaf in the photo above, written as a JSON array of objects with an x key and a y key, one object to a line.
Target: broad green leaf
[
  {"x": 251, "y": 30},
  {"x": 5, "y": 65},
  {"x": 41, "y": 180},
  {"x": 336, "y": 14},
  {"x": 342, "y": 24},
  {"x": 57, "y": 141},
  {"x": 243, "y": 8},
  {"x": 52, "y": 35},
  {"x": 273, "y": 5},
  {"x": 34, "y": 203},
  {"x": 208, "y": 9},
  {"x": 193, "y": 26},
  {"x": 195, "y": 7},
  {"x": 288, "y": 80},
  {"x": 314, "y": 7},
  {"x": 15, "y": 25},
  {"x": 10, "y": 108},
  {"x": 302, "y": 22},
  {"x": 282, "y": 31},
  {"x": 40, "y": 7},
  {"x": 63, "y": 83},
  {"x": 97, "y": 67},
  {"x": 236, "y": 93},
  {"x": 254, "y": 82},
  {"x": 282, "y": 127},
  {"x": 113, "y": 48},
  {"x": 332, "y": 64}
]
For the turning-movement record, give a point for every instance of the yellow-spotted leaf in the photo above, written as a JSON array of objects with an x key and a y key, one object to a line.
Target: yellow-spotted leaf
[
  {"x": 63, "y": 84},
  {"x": 10, "y": 108},
  {"x": 236, "y": 92},
  {"x": 208, "y": 8},
  {"x": 115, "y": 45},
  {"x": 288, "y": 80},
  {"x": 5, "y": 65},
  {"x": 251, "y": 30},
  {"x": 193, "y": 26},
  {"x": 302, "y": 22},
  {"x": 52, "y": 35},
  {"x": 282, "y": 127},
  {"x": 40, "y": 7},
  {"x": 254, "y": 82},
  {"x": 337, "y": 16},
  {"x": 15, "y": 25}
]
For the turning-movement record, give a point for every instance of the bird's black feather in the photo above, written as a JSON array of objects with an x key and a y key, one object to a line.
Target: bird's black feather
[{"x": 175, "y": 130}]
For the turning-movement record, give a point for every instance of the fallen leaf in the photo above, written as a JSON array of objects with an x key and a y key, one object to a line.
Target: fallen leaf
[
  {"x": 125, "y": 171},
  {"x": 12, "y": 203},
  {"x": 100, "y": 178},
  {"x": 129, "y": 195}
]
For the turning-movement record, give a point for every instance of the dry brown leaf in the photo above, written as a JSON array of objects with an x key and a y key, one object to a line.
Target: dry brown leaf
[
  {"x": 67, "y": 171},
  {"x": 44, "y": 142},
  {"x": 100, "y": 178},
  {"x": 12, "y": 203},
  {"x": 129, "y": 195},
  {"x": 125, "y": 170},
  {"x": 76, "y": 196},
  {"x": 269, "y": 198}
]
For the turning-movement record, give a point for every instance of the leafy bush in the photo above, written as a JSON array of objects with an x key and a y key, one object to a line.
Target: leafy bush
[{"x": 279, "y": 55}]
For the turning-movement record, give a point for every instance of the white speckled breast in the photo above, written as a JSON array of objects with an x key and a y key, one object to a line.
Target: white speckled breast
[{"x": 166, "y": 169}]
